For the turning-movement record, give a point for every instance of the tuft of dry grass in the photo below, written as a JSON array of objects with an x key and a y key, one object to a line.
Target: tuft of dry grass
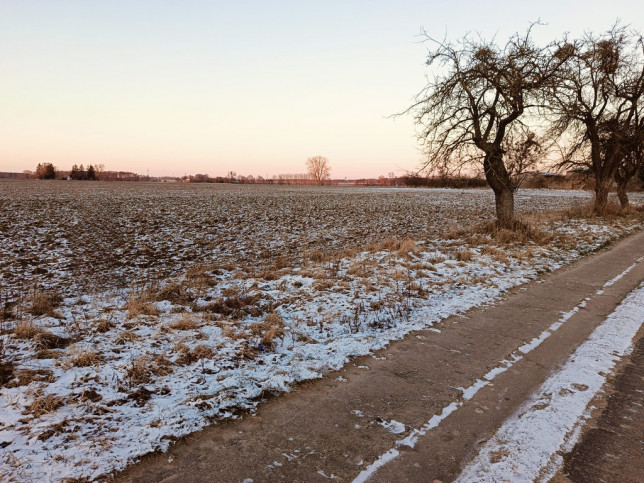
[
  {"x": 27, "y": 376},
  {"x": 407, "y": 248},
  {"x": 25, "y": 330},
  {"x": 42, "y": 339},
  {"x": 185, "y": 323},
  {"x": 139, "y": 306},
  {"x": 139, "y": 372},
  {"x": 44, "y": 405},
  {"x": 87, "y": 358},
  {"x": 271, "y": 328},
  {"x": 44, "y": 303},
  {"x": 517, "y": 231},
  {"x": 175, "y": 293},
  {"x": 103, "y": 325},
  {"x": 190, "y": 356},
  {"x": 127, "y": 336},
  {"x": 464, "y": 255}
]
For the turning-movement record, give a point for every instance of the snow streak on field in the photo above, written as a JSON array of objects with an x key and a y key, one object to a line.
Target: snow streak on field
[{"x": 251, "y": 294}]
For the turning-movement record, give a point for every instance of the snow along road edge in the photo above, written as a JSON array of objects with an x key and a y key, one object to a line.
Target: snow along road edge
[
  {"x": 526, "y": 447},
  {"x": 469, "y": 392}
]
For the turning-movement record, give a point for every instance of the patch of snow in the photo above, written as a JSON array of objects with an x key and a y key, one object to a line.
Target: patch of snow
[
  {"x": 528, "y": 445},
  {"x": 393, "y": 426}
]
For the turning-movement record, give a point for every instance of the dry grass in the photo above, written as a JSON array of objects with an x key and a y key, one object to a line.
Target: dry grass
[
  {"x": 185, "y": 323},
  {"x": 190, "y": 356},
  {"x": 87, "y": 358},
  {"x": 498, "y": 255},
  {"x": 44, "y": 303},
  {"x": 103, "y": 325},
  {"x": 45, "y": 405},
  {"x": 127, "y": 336},
  {"x": 583, "y": 211},
  {"x": 464, "y": 255},
  {"x": 25, "y": 329},
  {"x": 42, "y": 339},
  {"x": 407, "y": 248},
  {"x": 139, "y": 372},
  {"x": 139, "y": 306},
  {"x": 27, "y": 376},
  {"x": 270, "y": 329}
]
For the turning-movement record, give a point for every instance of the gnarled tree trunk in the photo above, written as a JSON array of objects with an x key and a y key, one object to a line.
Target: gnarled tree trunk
[
  {"x": 499, "y": 180},
  {"x": 602, "y": 187},
  {"x": 623, "y": 198},
  {"x": 623, "y": 175}
]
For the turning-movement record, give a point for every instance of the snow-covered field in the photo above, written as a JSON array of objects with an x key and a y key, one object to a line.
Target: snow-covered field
[
  {"x": 81, "y": 238},
  {"x": 157, "y": 310}
]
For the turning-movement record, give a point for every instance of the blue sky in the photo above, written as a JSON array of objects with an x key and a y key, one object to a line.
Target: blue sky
[{"x": 256, "y": 87}]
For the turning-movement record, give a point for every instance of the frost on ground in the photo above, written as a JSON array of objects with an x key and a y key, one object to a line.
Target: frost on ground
[
  {"x": 528, "y": 446},
  {"x": 92, "y": 381}
]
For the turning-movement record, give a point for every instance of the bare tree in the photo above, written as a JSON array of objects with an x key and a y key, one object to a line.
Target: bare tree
[
  {"x": 318, "y": 168},
  {"x": 631, "y": 162},
  {"x": 596, "y": 106},
  {"x": 478, "y": 97}
]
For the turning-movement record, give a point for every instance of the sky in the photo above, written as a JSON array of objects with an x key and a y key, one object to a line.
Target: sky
[{"x": 175, "y": 87}]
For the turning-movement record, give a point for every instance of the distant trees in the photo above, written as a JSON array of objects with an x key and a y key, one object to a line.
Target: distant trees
[
  {"x": 318, "y": 168},
  {"x": 45, "y": 171},
  {"x": 79, "y": 173},
  {"x": 473, "y": 108},
  {"x": 91, "y": 173}
]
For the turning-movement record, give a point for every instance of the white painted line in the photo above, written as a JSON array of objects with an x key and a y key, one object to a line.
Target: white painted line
[
  {"x": 527, "y": 446},
  {"x": 470, "y": 391}
]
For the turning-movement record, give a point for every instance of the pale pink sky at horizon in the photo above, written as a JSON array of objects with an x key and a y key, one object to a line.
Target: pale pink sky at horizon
[{"x": 255, "y": 87}]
